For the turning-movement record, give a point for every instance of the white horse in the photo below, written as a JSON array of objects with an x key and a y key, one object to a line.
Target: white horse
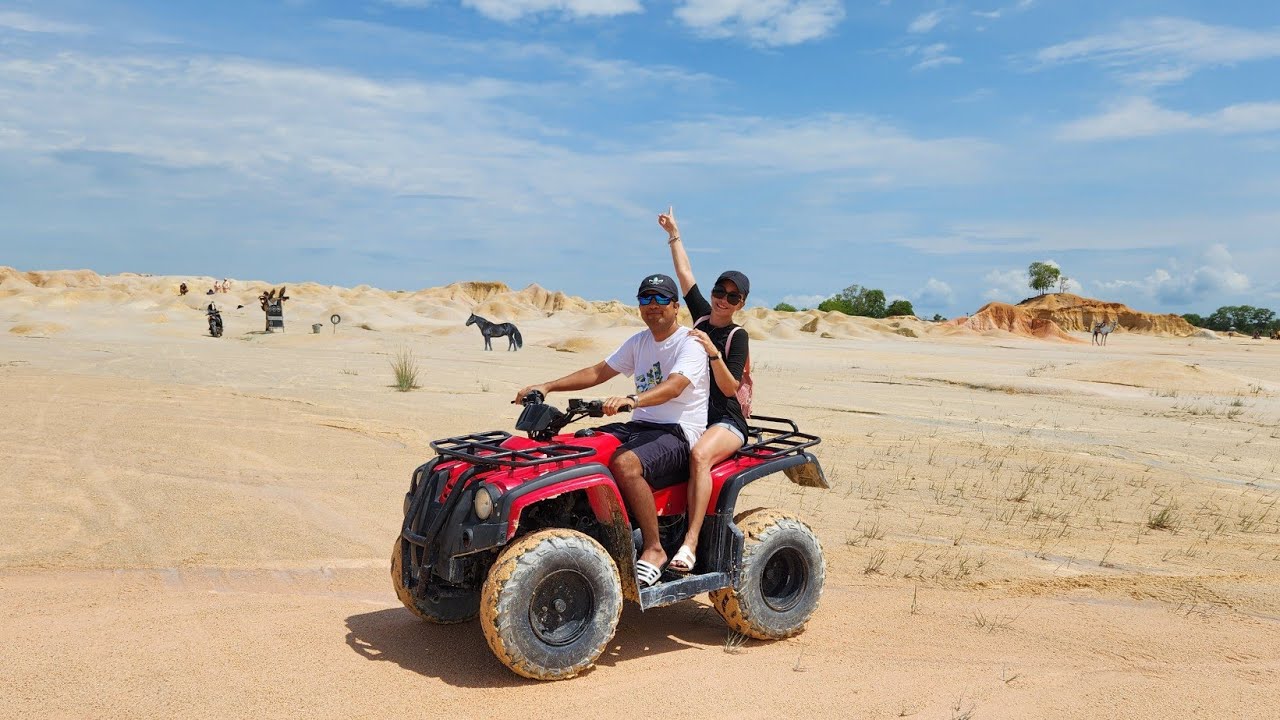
[{"x": 1102, "y": 330}]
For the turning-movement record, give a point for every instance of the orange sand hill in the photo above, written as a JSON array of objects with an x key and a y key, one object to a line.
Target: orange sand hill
[
  {"x": 1080, "y": 314},
  {"x": 1011, "y": 319}
]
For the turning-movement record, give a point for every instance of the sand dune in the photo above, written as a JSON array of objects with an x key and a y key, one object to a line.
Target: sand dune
[
  {"x": 1079, "y": 314},
  {"x": 1017, "y": 528},
  {"x": 1049, "y": 317}
]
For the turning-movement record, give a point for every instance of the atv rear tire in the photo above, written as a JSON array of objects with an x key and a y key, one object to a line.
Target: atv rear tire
[
  {"x": 437, "y": 608},
  {"x": 551, "y": 604},
  {"x": 782, "y": 576}
]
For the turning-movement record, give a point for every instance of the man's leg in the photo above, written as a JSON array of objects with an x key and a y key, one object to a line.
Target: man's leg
[{"x": 629, "y": 475}]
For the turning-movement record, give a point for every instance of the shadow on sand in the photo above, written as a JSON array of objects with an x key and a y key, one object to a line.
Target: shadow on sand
[{"x": 459, "y": 655}]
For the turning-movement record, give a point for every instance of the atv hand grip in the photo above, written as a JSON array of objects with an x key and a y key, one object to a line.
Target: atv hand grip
[{"x": 534, "y": 397}]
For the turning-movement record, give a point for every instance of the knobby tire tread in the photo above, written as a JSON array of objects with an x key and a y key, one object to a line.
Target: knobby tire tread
[
  {"x": 758, "y": 525},
  {"x": 498, "y": 615}
]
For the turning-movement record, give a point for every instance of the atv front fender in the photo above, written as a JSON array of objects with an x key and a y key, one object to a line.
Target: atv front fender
[{"x": 594, "y": 478}]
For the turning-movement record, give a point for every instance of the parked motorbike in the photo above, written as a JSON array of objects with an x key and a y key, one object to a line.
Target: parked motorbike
[{"x": 215, "y": 321}]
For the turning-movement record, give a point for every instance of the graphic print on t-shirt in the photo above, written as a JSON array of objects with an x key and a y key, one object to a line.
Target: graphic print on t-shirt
[{"x": 650, "y": 379}]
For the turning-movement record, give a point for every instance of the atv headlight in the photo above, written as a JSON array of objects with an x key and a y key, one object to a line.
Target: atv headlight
[{"x": 484, "y": 503}]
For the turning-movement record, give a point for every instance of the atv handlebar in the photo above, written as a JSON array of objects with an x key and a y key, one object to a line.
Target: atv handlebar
[
  {"x": 592, "y": 408},
  {"x": 543, "y": 421}
]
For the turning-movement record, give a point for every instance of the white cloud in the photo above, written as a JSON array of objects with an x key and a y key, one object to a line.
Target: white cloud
[
  {"x": 878, "y": 155},
  {"x": 771, "y": 23},
  {"x": 1073, "y": 286},
  {"x": 509, "y": 10},
  {"x": 931, "y": 56},
  {"x": 936, "y": 292},
  {"x": 1214, "y": 275},
  {"x": 1140, "y": 117},
  {"x": 926, "y": 22},
  {"x": 800, "y": 302},
  {"x": 1097, "y": 233},
  {"x": 1161, "y": 50},
  {"x": 25, "y": 22},
  {"x": 1007, "y": 285}
]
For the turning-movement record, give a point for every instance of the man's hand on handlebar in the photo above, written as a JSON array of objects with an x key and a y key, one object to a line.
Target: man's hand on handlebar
[
  {"x": 615, "y": 405},
  {"x": 522, "y": 392}
]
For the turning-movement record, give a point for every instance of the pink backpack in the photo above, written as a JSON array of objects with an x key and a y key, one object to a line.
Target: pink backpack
[{"x": 746, "y": 386}]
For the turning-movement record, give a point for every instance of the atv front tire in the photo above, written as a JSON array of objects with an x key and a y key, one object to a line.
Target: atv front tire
[
  {"x": 434, "y": 607},
  {"x": 783, "y": 571},
  {"x": 551, "y": 604}
]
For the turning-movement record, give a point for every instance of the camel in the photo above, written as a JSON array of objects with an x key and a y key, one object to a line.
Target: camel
[{"x": 1102, "y": 330}]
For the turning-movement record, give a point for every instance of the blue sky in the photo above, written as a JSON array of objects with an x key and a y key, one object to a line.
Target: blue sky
[{"x": 930, "y": 149}]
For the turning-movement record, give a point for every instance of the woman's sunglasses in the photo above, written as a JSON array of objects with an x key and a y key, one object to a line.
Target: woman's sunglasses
[
  {"x": 720, "y": 293},
  {"x": 660, "y": 299}
]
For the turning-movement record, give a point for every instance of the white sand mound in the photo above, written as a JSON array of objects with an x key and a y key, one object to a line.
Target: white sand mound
[
  {"x": 576, "y": 344},
  {"x": 43, "y": 329},
  {"x": 1163, "y": 375},
  {"x": 838, "y": 325}
]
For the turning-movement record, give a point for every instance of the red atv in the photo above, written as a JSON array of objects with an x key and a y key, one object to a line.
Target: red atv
[{"x": 531, "y": 534}]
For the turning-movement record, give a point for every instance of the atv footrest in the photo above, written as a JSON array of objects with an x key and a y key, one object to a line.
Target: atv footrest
[{"x": 673, "y": 591}]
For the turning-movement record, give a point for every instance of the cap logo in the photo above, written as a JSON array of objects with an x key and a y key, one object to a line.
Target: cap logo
[{"x": 655, "y": 280}]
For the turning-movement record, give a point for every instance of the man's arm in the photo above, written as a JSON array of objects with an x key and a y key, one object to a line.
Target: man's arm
[
  {"x": 668, "y": 389},
  {"x": 581, "y": 380}
]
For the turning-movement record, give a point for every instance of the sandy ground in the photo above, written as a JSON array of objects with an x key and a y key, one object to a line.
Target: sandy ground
[{"x": 199, "y": 527}]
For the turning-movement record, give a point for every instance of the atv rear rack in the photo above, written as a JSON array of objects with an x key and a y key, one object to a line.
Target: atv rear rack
[
  {"x": 775, "y": 442},
  {"x": 486, "y": 449}
]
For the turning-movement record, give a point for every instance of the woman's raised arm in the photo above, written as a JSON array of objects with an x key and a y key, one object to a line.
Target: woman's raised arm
[{"x": 679, "y": 258}]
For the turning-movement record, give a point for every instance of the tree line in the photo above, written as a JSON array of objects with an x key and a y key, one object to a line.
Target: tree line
[
  {"x": 1241, "y": 318},
  {"x": 859, "y": 300}
]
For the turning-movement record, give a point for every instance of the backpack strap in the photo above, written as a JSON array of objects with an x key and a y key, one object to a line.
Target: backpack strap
[{"x": 728, "y": 343}]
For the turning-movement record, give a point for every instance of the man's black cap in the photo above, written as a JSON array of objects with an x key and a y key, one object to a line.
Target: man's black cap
[
  {"x": 659, "y": 285},
  {"x": 737, "y": 278}
]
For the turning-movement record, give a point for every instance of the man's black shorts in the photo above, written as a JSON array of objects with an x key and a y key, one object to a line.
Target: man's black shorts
[{"x": 661, "y": 448}]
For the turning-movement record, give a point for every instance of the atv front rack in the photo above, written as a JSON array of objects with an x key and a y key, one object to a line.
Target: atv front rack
[
  {"x": 774, "y": 442},
  {"x": 485, "y": 448}
]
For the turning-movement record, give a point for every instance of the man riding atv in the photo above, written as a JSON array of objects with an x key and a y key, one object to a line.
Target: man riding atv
[
  {"x": 669, "y": 410},
  {"x": 535, "y": 534}
]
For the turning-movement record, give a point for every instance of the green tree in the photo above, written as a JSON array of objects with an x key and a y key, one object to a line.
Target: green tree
[
  {"x": 836, "y": 304},
  {"x": 784, "y": 307},
  {"x": 856, "y": 300},
  {"x": 1043, "y": 276},
  {"x": 1194, "y": 319},
  {"x": 899, "y": 307},
  {"x": 1244, "y": 318},
  {"x": 937, "y": 317}
]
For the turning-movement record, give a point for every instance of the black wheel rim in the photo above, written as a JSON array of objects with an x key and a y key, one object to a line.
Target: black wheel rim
[
  {"x": 562, "y": 607},
  {"x": 784, "y": 579}
]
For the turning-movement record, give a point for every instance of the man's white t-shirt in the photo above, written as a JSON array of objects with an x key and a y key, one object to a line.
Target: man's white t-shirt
[{"x": 650, "y": 362}]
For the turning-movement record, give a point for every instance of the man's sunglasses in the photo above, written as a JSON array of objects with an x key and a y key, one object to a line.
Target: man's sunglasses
[
  {"x": 660, "y": 299},
  {"x": 720, "y": 293}
]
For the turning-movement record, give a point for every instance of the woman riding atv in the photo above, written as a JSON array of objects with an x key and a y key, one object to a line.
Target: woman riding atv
[{"x": 727, "y": 353}]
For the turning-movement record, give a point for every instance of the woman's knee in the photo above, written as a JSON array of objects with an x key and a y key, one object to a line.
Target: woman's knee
[{"x": 702, "y": 456}]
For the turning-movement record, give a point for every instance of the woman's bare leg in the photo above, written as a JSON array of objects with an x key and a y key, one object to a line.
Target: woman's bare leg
[{"x": 716, "y": 444}]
